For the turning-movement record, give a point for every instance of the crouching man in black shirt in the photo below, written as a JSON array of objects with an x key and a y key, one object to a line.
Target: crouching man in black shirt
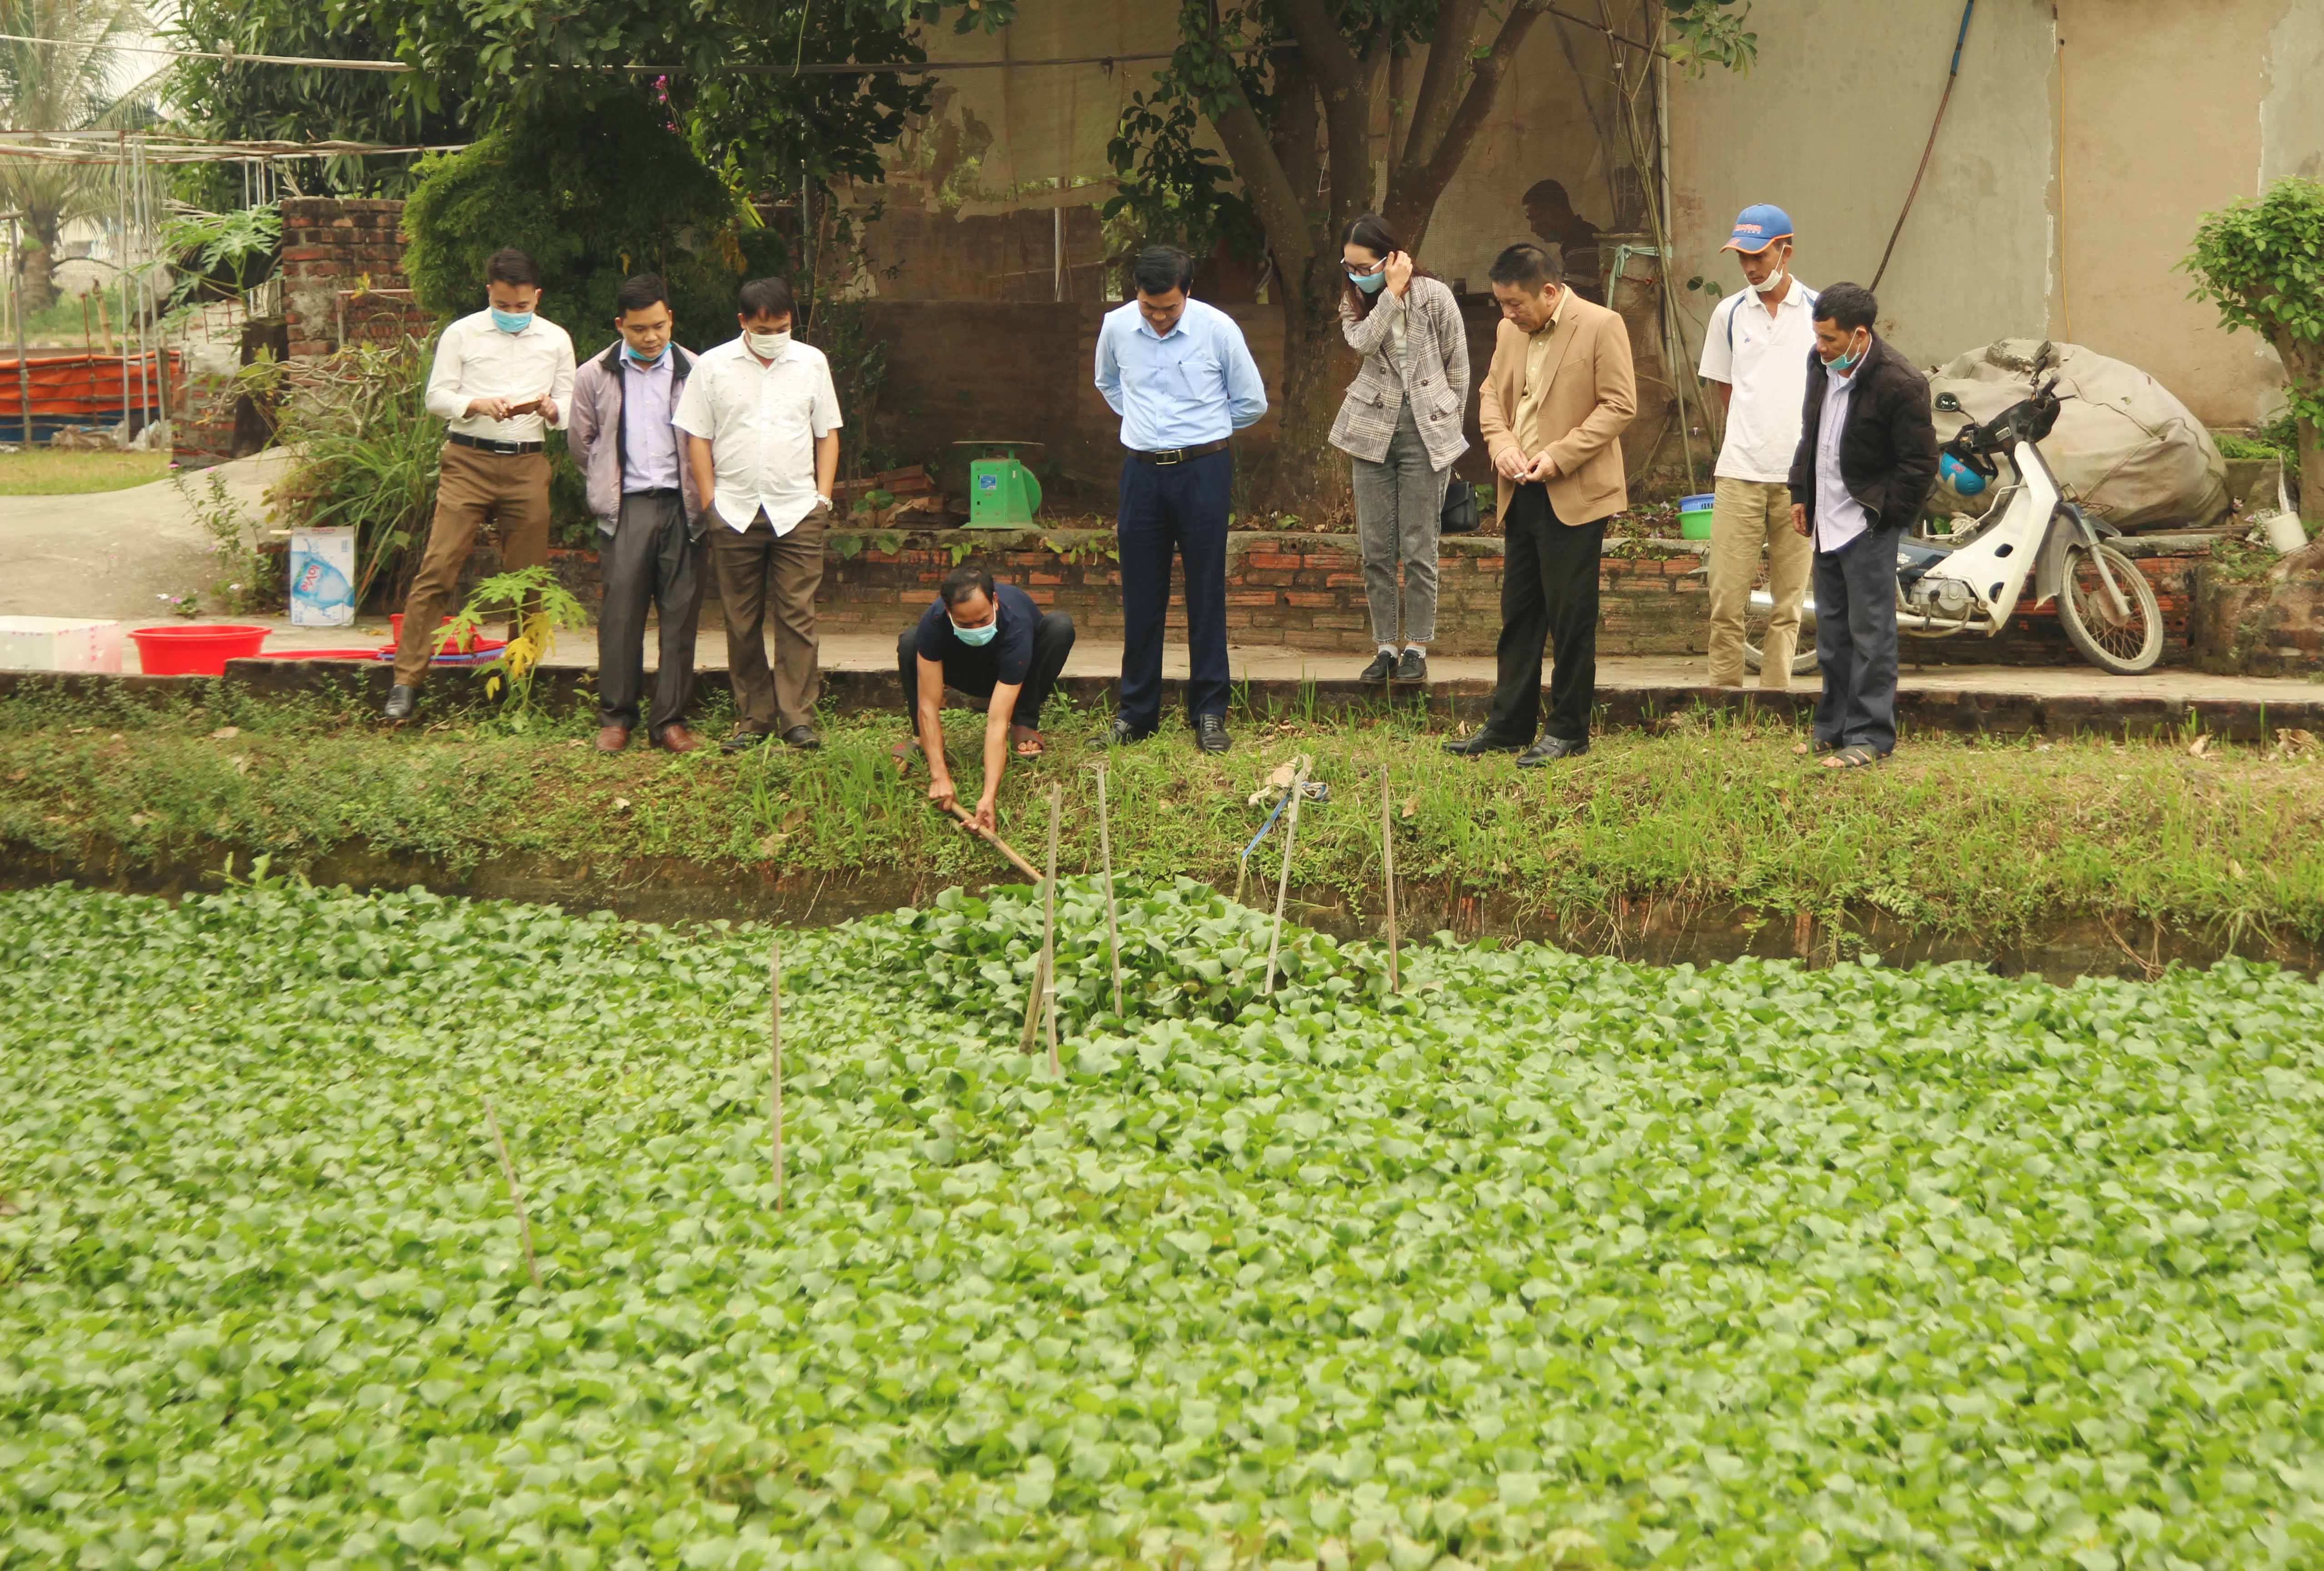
[{"x": 991, "y": 642}]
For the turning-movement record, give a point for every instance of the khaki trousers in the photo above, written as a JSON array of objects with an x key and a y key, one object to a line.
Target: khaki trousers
[
  {"x": 511, "y": 490},
  {"x": 1747, "y": 517},
  {"x": 766, "y": 579}
]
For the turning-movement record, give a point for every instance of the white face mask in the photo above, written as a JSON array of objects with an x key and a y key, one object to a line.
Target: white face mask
[
  {"x": 1774, "y": 281},
  {"x": 767, "y": 345}
]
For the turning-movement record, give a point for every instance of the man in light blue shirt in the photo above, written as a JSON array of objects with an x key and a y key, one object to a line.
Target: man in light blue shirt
[{"x": 1179, "y": 375}]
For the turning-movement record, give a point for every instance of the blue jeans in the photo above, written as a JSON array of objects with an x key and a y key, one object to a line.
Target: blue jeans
[
  {"x": 1180, "y": 506},
  {"x": 1856, "y": 642}
]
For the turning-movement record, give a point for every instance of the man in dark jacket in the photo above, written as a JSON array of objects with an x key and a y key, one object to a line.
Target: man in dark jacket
[
  {"x": 1867, "y": 459},
  {"x": 649, "y": 523}
]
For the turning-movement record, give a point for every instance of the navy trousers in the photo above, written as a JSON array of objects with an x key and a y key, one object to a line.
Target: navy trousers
[
  {"x": 1181, "y": 507},
  {"x": 1856, "y": 642}
]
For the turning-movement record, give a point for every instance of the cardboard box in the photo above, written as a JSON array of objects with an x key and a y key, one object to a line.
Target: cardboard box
[
  {"x": 56, "y": 643},
  {"x": 322, "y": 578}
]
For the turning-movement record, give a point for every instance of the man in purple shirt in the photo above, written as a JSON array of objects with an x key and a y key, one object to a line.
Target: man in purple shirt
[{"x": 650, "y": 531}]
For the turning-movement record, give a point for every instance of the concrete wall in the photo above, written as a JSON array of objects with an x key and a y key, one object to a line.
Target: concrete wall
[{"x": 2171, "y": 108}]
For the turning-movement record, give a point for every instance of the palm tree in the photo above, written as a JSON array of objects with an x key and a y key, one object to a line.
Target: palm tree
[{"x": 75, "y": 84}]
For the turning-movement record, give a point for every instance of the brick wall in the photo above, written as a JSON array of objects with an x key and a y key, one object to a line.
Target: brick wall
[
  {"x": 2260, "y": 629},
  {"x": 343, "y": 275},
  {"x": 1307, "y": 592}
]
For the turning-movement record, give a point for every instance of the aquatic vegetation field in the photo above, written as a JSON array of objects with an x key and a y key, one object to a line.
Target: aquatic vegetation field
[{"x": 1545, "y": 1260}]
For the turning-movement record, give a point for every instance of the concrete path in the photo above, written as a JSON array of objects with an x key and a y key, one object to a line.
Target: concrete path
[
  {"x": 1102, "y": 659},
  {"x": 112, "y": 553}
]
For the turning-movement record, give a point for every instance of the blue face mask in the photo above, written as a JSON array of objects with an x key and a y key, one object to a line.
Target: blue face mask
[
  {"x": 977, "y": 637},
  {"x": 636, "y": 359},
  {"x": 1850, "y": 361},
  {"x": 511, "y": 321},
  {"x": 1370, "y": 282}
]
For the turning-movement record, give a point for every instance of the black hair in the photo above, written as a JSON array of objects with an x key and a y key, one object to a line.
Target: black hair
[
  {"x": 1370, "y": 231},
  {"x": 1159, "y": 268},
  {"x": 1849, "y": 305},
  {"x": 638, "y": 293},
  {"x": 1528, "y": 265},
  {"x": 508, "y": 265},
  {"x": 957, "y": 584},
  {"x": 1546, "y": 194},
  {"x": 764, "y": 296}
]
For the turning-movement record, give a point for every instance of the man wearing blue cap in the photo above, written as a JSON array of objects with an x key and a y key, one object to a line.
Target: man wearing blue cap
[{"x": 1756, "y": 352}]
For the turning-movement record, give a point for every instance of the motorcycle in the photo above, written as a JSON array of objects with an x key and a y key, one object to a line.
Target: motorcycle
[{"x": 1973, "y": 583}]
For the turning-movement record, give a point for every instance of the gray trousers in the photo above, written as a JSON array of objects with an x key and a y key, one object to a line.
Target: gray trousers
[
  {"x": 1399, "y": 502},
  {"x": 649, "y": 560},
  {"x": 1856, "y": 642}
]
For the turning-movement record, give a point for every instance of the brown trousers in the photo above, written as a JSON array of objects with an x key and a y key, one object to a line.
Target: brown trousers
[
  {"x": 769, "y": 580},
  {"x": 511, "y": 490}
]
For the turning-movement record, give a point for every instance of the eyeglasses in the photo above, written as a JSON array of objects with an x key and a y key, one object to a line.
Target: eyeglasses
[{"x": 1353, "y": 270}]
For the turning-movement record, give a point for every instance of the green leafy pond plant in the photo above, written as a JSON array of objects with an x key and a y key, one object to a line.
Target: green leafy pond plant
[{"x": 1543, "y": 1261}]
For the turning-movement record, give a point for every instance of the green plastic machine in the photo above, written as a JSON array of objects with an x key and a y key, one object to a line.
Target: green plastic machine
[{"x": 1002, "y": 491}]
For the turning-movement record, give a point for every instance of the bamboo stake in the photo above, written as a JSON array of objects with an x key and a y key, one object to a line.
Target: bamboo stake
[
  {"x": 1283, "y": 886},
  {"x": 775, "y": 1063},
  {"x": 1105, "y": 852},
  {"x": 1050, "y": 928},
  {"x": 516, "y": 1191},
  {"x": 1387, "y": 872},
  {"x": 1033, "y": 1002},
  {"x": 968, "y": 822}
]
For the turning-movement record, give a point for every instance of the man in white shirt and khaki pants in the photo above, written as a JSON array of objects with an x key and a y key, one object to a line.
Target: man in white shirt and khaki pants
[
  {"x": 503, "y": 378},
  {"x": 1755, "y": 352},
  {"x": 762, "y": 422}
]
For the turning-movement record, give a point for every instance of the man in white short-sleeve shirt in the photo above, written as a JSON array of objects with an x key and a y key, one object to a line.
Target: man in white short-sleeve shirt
[
  {"x": 761, "y": 420},
  {"x": 1756, "y": 352}
]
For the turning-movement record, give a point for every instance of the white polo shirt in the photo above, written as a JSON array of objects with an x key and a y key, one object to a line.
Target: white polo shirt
[
  {"x": 762, "y": 422},
  {"x": 1764, "y": 359}
]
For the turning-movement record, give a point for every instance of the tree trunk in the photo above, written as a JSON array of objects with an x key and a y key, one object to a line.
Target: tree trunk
[
  {"x": 40, "y": 281},
  {"x": 1304, "y": 474},
  {"x": 2303, "y": 368}
]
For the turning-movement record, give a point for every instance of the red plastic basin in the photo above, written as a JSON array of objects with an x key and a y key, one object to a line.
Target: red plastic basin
[
  {"x": 196, "y": 649},
  {"x": 467, "y": 641}
]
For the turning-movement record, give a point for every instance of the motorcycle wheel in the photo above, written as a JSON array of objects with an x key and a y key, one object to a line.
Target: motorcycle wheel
[
  {"x": 2125, "y": 647},
  {"x": 1755, "y": 636}
]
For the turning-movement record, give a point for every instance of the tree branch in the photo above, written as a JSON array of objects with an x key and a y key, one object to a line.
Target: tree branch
[
  {"x": 1413, "y": 201},
  {"x": 1281, "y": 212},
  {"x": 1346, "y": 92},
  {"x": 1440, "y": 82}
]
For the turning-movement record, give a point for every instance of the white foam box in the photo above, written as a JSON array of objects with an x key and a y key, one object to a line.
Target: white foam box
[{"x": 56, "y": 643}]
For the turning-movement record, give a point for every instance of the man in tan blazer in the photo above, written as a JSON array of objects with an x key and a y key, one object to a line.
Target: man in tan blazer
[{"x": 1554, "y": 405}]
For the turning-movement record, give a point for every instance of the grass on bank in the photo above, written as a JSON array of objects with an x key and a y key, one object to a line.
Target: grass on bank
[
  {"x": 1952, "y": 835},
  {"x": 45, "y": 472}
]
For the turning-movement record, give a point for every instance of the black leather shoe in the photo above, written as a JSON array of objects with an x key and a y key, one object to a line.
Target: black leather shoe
[
  {"x": 1479, "y": 745},
  {"x": 1211, "y": 733},
  {"x": 1382, "y": 667},
  {"x": 803, "y": 738},
  {"x": 1124, "y": 733},
  {"x": 1413, "y": 666},
  {"x": 1549, "y": 749},
  {"x": 742, "y": 742},
  {"x": 401, "y": 702}
]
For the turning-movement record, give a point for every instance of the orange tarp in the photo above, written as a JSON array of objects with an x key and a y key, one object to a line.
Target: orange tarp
[{"x": 81, "y": 388}]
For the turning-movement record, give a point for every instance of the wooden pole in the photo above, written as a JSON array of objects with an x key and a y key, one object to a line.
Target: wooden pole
[
  {"x": 1387, "y": 872},
  {"x": 1105, "y": 853},
  {"x": 775, "y": 1064},
  {"x": 1033, "y": 1002},
  {"x": 1283, "y": 886},
  {"x": 16, "y": 292},
  {"x": 968, "y": 822},
  {"x": 516, "y": 1191},
  {"x": 1050, "y": 928}
]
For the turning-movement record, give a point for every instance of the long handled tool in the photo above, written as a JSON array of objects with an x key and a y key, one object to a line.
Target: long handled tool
[{"x": 968, "y": 822}]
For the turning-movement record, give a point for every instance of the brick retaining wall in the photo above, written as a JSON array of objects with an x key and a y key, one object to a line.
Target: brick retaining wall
[{"x": 343, "y": 275}]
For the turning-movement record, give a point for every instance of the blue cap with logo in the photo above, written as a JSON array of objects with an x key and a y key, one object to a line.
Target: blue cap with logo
[{"x": 1758, "y": 227}]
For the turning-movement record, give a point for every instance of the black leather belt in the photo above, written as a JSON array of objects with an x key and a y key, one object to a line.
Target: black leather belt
[
  {"x": 1169, "y": 456},
  {"x": 486, "y": 444},
  {"x": 659, "y": 493}
]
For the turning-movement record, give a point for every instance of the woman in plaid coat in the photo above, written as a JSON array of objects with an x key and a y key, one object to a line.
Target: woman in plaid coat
[{"x": 1400, "y": 425}]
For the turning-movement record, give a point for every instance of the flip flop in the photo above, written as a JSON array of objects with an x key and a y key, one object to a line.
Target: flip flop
[
  {"x": 1814, "y": 750},
  {"x": 1854, "y": 757},
  {"x": 1027, "y": 742}
]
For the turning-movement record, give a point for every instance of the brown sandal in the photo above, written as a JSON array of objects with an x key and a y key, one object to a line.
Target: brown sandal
[{"x": 1027, "y": 742}]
